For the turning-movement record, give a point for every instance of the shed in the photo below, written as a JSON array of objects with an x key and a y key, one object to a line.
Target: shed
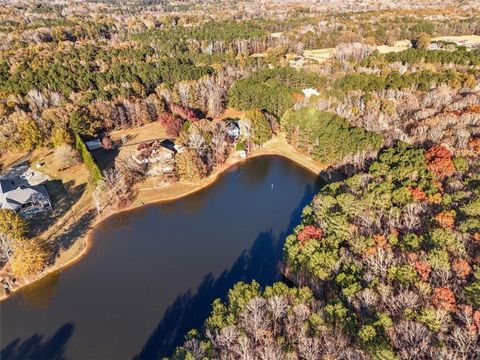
[{"x": 93, "y": 144}]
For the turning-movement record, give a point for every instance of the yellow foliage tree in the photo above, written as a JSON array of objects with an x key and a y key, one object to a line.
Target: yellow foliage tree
[
  {"x": 61, "y": 136},
  {"x": 12, "y": 224},
  {"x": 190, "y": 166},
  {"x": 29, "y": 134},
  {"x": 423, "y": 41},
  {"x": 470, "y": 82},
  {"x": 29, "y": 257}
]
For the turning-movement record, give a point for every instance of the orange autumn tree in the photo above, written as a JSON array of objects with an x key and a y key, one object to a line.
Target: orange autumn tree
[
  {"x": 444, "y": 298},
  {"x": 439, "y": 161},
  {"x": 474, "y": 145},
  {"x": 446, "y": 219},
  {"x": 417, "y": 193},
  {"x": 461, "y": 268},
  {"x": 309, "y": 232},
  {"x": 423, "y": 268}
]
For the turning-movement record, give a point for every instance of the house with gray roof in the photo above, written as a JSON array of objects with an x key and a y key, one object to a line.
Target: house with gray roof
[{"x": 23, "y": 199}]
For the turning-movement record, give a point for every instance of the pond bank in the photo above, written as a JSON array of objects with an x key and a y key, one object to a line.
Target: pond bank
[{"x": 148, "y": 194}]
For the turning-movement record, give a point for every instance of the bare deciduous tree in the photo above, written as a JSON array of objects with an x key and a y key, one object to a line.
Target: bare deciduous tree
[{"x": 6, "y": 247}]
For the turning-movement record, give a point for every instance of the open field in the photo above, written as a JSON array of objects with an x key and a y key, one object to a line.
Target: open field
[
  {"x": 464, "y": 40},
  {"x": 135, "y": 136},
  {"x": 322, "y": 55},
  {"x": 398, "y": 46},
  {"x": 8, "y": 159},
  {"x": 230, "y": 113},
  {"x": 140, "y": 134},
  {"x": 319, "y": 55}
]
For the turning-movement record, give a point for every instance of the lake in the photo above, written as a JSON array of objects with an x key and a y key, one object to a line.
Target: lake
[{"x": 153, "y": 272}]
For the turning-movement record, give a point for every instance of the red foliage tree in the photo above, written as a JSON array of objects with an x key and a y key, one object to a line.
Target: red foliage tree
[
  {"x": 444, "y": 298},
  {"x": 142, "y": 146},
  {"x": 439, "y": 161},
  {"x": 107, "y": 143},
  {"x": 423, "y": 267},
  {"x": 309, "y": 232},
  {"x": 171, "y": 123},
  {"x": 461, "y": 268},
  {"x": 184, "y": 112}
]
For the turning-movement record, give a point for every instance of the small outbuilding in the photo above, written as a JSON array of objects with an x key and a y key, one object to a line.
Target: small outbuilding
[{"x": 93, "y": 144}]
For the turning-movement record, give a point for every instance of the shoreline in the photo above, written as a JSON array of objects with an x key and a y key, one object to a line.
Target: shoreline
[{"x": 82, "y": 245}]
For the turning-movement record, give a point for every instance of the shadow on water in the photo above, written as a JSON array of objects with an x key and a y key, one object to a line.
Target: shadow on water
[
  {"x": 190, "y": 310},
  {"x": 35, "y": 348}
]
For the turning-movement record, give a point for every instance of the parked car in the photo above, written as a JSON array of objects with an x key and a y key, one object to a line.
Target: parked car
[{"x": 26, "y": 175}]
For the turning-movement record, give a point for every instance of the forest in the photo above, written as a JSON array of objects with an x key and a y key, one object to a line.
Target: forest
[{"x": 386, "y": 264}]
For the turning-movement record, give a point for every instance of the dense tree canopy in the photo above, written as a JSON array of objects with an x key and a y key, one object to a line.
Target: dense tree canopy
[
  {"x": 271, "y": 89},
  {"x": 392, "y": 282},
  {"x": 326, "y": 136}
]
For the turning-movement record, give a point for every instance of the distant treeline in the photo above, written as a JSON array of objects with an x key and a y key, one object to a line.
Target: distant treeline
[
  {"x": 91, "y": 68},
  {"x": 414, "y": 56}
]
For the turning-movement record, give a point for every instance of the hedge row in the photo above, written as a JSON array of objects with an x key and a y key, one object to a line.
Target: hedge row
[{"x": 88, "y": 159}]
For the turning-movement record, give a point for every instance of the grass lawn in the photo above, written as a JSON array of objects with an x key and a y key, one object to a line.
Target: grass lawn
[
  {"x": 319, "y": 55},
  {"x": 135, "y": 136},
  {"x": 8, "y": 159}
]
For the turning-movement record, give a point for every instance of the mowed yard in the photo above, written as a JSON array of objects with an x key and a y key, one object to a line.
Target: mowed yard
[{"x": 135, "y": 136}]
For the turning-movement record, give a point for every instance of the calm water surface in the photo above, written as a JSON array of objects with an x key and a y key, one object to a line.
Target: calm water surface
[{"x": 152, "y": 273}]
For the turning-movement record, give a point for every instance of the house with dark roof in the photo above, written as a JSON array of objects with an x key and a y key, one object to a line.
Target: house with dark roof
[{"x": 24, "y": 199}]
